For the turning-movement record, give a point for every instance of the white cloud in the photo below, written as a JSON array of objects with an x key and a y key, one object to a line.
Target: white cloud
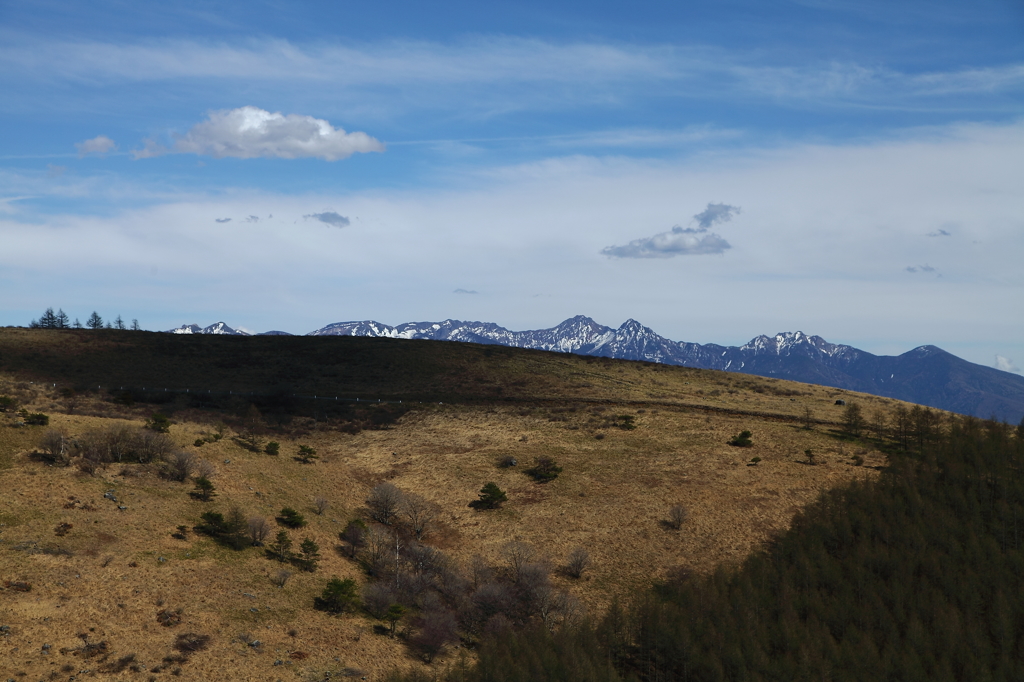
[
  {"x": 1006, "y": 364},
  {"x": 250, "y": 132},
  {"x": 101, "y": 144},
  {"x": 464, "y": 291},
  {"x": 679, "y": 241},
  {"x": 676, "y": 242},
  {"x": 330, "y": 217}
]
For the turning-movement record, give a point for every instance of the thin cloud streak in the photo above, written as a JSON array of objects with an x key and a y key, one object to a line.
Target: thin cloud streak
[{"x": 578, "y": 68}]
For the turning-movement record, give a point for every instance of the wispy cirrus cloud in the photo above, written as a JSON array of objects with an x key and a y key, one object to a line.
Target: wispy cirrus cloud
[
  {"x": 581, "y": 70},
  {"x": 250, "y": 132}
]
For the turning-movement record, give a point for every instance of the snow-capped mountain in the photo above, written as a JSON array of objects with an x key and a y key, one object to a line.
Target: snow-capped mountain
[{"x": 217, "y": 328}]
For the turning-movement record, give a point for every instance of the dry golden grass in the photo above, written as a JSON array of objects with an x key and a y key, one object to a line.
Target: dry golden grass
[{"x": 115, "y": 569}]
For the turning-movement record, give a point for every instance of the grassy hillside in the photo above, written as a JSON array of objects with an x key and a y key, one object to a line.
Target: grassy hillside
[{"x": 107, "y": 574}]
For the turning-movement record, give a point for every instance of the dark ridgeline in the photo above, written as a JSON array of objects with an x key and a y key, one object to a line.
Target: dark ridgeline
[{"x": 925, "y": 375}]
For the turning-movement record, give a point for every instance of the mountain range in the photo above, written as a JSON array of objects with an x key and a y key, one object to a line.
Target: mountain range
[{"x": 926, "y": 375}]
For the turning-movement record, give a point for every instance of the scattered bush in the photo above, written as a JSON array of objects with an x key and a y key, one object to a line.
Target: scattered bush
[
  {"x": 8, "y": 404},
  {"x": 307, "y": 455},
  {"x": 626, "y": 422},
  {"x": 159, "y": 423},
  {"x": 491, "y": 497},
  {"x": 230, "y": 531},
  {"x": 179, "y": 465},
  {"x": 258, "y": 529},
  {"x": 810, "y": 456},
  {"x": 281, "y": 548},
  {"x": 677, "y": 516},
  {"x": 383, "y": 502},
  {"x": 544, "y": 470},
  {"x": 168, "y": 618},
  {"x": 355, "y": 535},
  {"x": 35, "y": 418},
  {"x": 742, "y": 440},
  {"x": 273, "y": 448},
  {"x": 754, "y": 461},
  {"x": 338, "y": 596},
  {"x": 419, "y": 512},
  {"x": 291, "y": 518},
  {"x": 204, "y": 489},
  {"x": 281, "y": 577},
  {"x": 579, "y": 561},
  {"x": 56, "y": 447},
  {"x": 309, "y": 555}
]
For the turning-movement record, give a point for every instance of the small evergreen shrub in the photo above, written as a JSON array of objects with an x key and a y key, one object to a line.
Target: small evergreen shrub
[
  {"x": 742, "y": 440},
  {"x": 544, "y": 470},
  {"x": 491, "y": 497},
  {"x": 338, "y": 596},
  {"x": 291, "y": 518}
]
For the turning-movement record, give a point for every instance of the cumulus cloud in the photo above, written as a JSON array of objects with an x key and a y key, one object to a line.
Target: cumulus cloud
[
  {"x": 1006, "y": 364},
  {"x": 223, "y": 220},
  {"x": 101, "y": 144},
  {"x": 330, "y": 217},
  {"x": 250, "y": 132},
  {"x": 464, "y": 291},
  {"x": 939, "y": 233},
  {"x": 678, "y": 241}
]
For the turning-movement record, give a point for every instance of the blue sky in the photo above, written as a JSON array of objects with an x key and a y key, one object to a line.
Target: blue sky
[{"x": 716, "y": 170}]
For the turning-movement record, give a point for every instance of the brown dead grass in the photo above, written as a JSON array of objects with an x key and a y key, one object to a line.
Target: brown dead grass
[{"x": 114, "y": 570}]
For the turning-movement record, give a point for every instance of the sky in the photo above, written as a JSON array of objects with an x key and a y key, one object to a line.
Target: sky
[{"x": 715, "y": 170}]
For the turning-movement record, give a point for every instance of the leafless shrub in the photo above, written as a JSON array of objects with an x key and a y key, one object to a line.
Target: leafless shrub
[
  {"x": 204, "y": 469},
  {"x": 380, "y": 551},
  {"x": 677, "y": 516},
  {"x": 578, "y": 561},
  {"x": 119, "y": 665},
  {"x": 106, "y": 560},
  {"x": 281, "y": 577},
  {"x": 383, "y": 502},
  {"x": 56, "y": 447},
  {"x": 258, "y": 530},
  {"x": 420, "y": 513},
  {"x": 168, "y": 618},
  {"x": 320, "y": 504},
  {"x": 517, "y": 555},
  {"x": 436, "y": 629},
  {"x": 189, "y": 643},
  {"x": 377, "y": 597},
  {"x": 179, "y": 465}
]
